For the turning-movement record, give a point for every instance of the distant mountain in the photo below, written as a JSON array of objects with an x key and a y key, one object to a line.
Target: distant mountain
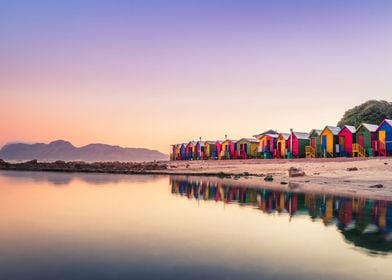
[
  {"x": 64, "y": 150},
  {"x": 372, "y": 111}
]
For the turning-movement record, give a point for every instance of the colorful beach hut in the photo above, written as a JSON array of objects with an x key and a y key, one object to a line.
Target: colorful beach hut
[
  {"x": 268, "y": 145},
  {"x": 330, "y": 141},
  {"x": 176, "y": 152},
  {"x": 209, "y": 147},
  {"x": 297, "y": 143},
  {"x": 247, "y": 148},
  {"x": 229, "y": 149},
  {"x": 172, "y": 152},
  {"x": 282, "y": 144},
  {"x": 183, "y": 151},
  {"x": 365, "y": 140},
  {"x": 190, "y": 150},
  {"x": 217, "y": 150},
  {"x": 384, "y": 131},
  {"x": 199, "y": 150},
  {"x": 346, "y": 140},
  {"x": 314, "y": 150}
]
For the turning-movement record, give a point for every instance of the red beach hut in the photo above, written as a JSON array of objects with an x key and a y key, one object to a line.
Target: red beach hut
[
  {"x": 298, "y": 140},
  {"x": 346, "y": 140},
  {"x": 217, "y": 150}
]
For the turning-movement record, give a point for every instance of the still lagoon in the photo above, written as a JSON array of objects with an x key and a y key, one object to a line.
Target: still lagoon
[{"x": 97, "y": 226}]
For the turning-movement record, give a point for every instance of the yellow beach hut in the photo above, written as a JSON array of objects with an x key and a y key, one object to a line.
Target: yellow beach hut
[
  {"x": 282, "y": 145},
  {"x": 330, "y": 141},
  {"x": 247, "y": 148},
  {"x": 209, "y": 147}
]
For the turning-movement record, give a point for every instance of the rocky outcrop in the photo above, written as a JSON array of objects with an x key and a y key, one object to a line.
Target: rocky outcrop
[{"x": 81, "y": 166}]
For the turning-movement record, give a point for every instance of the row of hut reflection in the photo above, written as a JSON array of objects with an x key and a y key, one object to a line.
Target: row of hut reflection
[{"x": 367, "y": 216}]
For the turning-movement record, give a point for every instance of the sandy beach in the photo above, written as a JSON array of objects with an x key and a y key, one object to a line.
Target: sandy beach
[{"x": 321, "y": 175}]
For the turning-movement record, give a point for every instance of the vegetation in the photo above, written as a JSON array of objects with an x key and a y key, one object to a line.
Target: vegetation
[{"x": 372, "y": 111}]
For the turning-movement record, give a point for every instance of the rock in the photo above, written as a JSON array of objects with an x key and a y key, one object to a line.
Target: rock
[
  {"x": 377, "y": 186},
  {"x": 296, "y": 172},
  {"x": 385, "y": 163},
  {"x": 352, "y": 169},
  {"x": 268, "y": 178},
  {"x": 283, "y": 183}
]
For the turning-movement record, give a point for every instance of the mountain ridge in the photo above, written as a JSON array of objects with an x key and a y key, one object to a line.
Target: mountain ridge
[{"x": 65, "y": 150}]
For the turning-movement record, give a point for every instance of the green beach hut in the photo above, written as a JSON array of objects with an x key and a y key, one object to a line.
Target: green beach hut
[
  {"x": 366, "y": 138},
  {"x": 314, "y": 150}
]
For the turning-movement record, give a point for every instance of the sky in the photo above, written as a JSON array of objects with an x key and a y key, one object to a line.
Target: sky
[{"x": 154, "y": 73}]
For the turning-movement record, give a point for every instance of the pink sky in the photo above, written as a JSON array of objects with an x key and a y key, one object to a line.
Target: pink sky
[{"x": 149, "y": 75}]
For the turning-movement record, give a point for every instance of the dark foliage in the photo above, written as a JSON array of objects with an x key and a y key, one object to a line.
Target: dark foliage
[{"x": 372, "y": 111}]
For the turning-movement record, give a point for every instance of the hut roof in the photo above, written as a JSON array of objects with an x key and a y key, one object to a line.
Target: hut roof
[
  {"x": 370, "y": 127},
  {"x": 334, "y": 129},
  {"x": 252, "y": 140},
  {"x": 284, "y": 135},
  {"x": 209, "y": 142},
  {"x": 272, "y": 135},
  {"x": 318, "y": 131},
  {"x": 350, "y": 128},
  {"x": 388, "y": 121},
  {"x": 201, "y": 143},
  {"x": 192, "y": 143},
  {"x": 301, "y": 135},
  {"x": 270, "y": 131}
]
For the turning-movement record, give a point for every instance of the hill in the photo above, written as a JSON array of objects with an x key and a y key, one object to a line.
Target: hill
[
  {"x": 372, "y": 111},
  {"x": 64, "y": 150}
]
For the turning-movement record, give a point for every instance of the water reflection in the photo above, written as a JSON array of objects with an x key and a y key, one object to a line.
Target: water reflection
[
  {"x": 133, "y": 227},
  {"x": 64, "y": 179},
  {"x": 366, "y": 223}
]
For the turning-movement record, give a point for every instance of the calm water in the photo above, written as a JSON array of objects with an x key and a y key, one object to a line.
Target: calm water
[{"x": 83, "y": 226}]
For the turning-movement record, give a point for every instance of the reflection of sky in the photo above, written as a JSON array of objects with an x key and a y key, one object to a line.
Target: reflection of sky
[
  {"x": 141, "y": 229},
  {"x": 135, "y": 70}
]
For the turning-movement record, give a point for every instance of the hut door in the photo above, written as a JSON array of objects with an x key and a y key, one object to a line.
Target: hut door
[
  {"x": 381, "y": 136},
  {"x": 361, "y": 140},
  {"x": 313, "y": 143},
  {"x": 342, "y": 143},
  {"x": 324, "y": 143}
]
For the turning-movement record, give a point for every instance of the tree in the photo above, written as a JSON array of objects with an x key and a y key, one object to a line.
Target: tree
[{"x": 372, "y": 111}]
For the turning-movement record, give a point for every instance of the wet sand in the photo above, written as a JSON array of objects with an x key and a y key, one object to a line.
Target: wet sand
[{"x": 321, "y": 175}]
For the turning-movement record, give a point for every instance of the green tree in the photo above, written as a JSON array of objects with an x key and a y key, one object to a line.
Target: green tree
[{"x": 372, "y": 111}]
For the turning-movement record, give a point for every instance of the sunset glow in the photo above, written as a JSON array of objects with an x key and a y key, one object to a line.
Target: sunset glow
[{"x": 152, "y": 73}]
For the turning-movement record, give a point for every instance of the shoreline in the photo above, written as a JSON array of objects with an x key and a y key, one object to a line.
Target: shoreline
[{"x": 368, "y": 177}]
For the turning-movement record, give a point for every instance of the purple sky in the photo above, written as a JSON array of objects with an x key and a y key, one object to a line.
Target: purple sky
[{"x": 152, "y": 73}]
